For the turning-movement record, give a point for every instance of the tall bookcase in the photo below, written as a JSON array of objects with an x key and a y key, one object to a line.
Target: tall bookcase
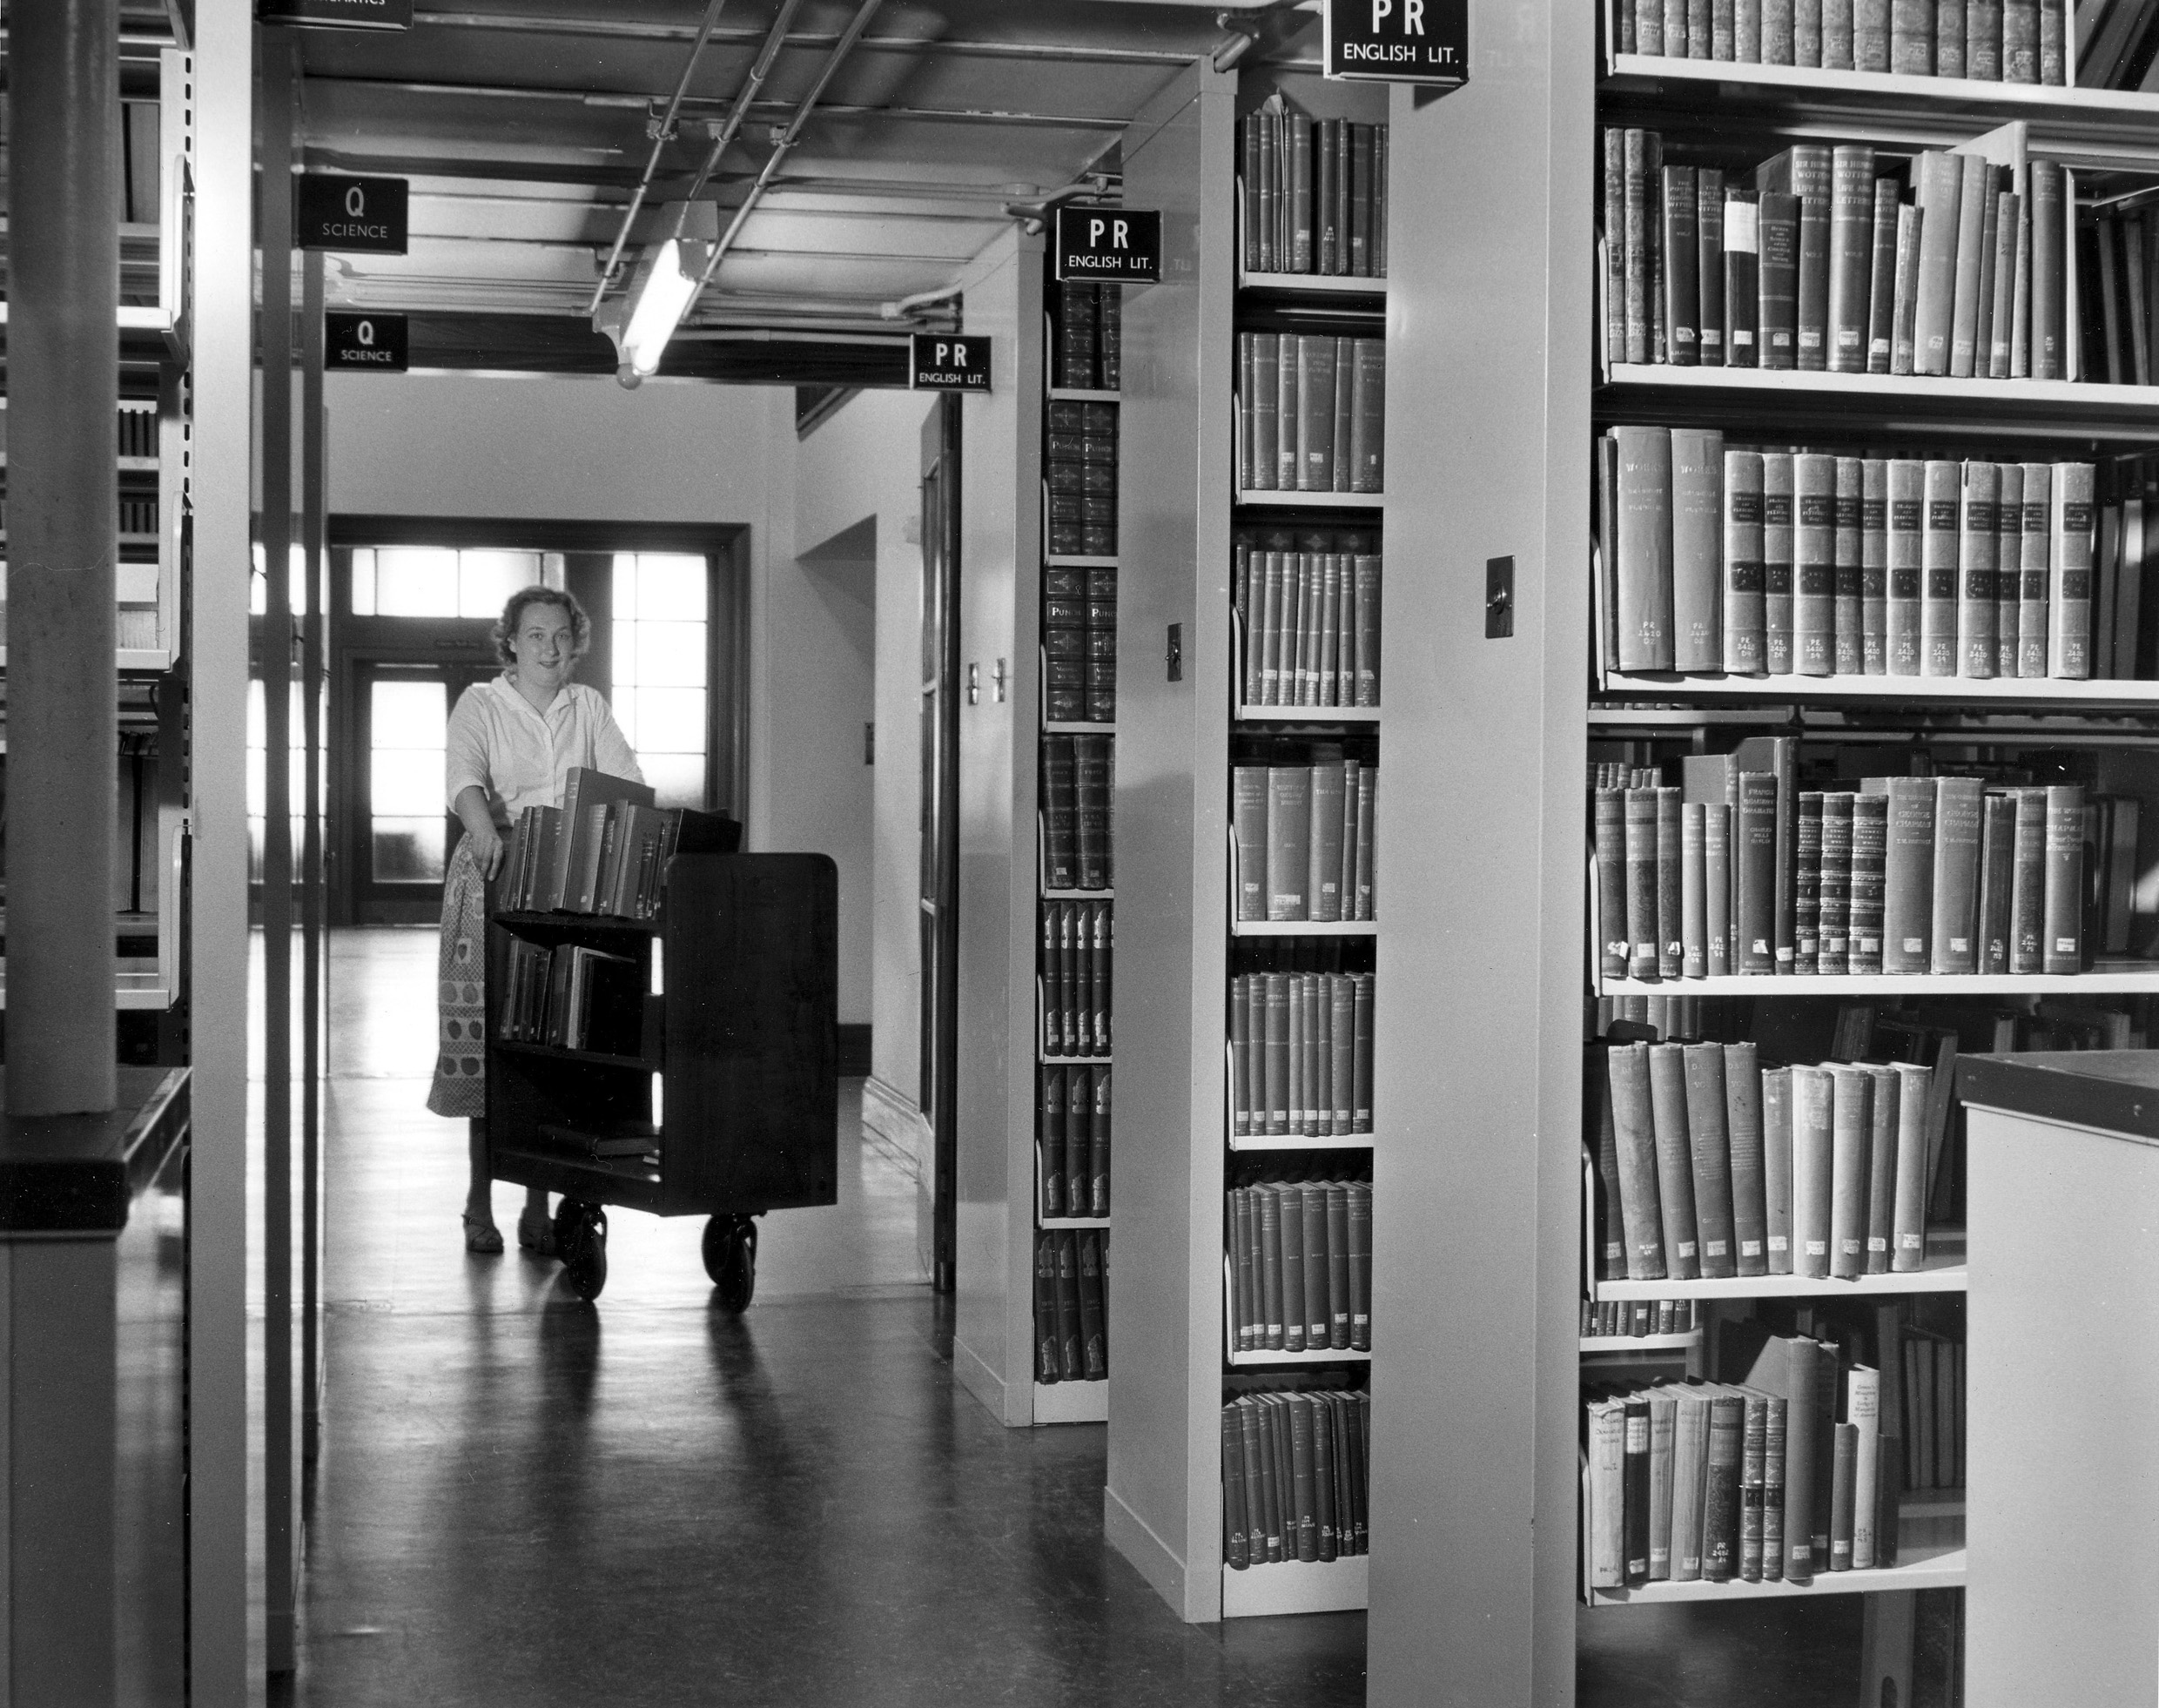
[
  {"x": 1495, "y": 375},
  {"x": 1182, "y": 731}
]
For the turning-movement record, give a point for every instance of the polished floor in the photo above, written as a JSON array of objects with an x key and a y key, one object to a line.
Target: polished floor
[{"x": 527, "y": 1501}]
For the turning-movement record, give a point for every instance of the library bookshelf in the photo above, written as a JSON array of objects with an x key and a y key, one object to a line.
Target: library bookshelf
[{"x": 1181, "y": 731}]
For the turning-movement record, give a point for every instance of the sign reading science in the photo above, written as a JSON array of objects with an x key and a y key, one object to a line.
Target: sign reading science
[
  {"x": 370, "y": 343},
  {"x": 1399, "y": 41},
  {"x": 1114, "y": 245},
  {"x": 356, "y": 215}
]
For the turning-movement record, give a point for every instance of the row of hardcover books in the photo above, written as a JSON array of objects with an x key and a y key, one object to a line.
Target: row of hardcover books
[
  {"x": 1082, "y": 688},
  {"x": 1720, "y": 560},
  {"x": 1071, "y": 1304},
  {"x": 1711, "y": 1166},
  {"x": 1303, "y": 838},
  {"x": 1079, "y": 799},
  {"x": 1308, "y": 606},
  {"x": 1088, "y": 331},
  {"x": 603, "y": 851},
  {"x": 1990, "y": 41},
  {"x": 1078, "y": 940},
  {"x": 1301, "y": 1054},
  {"x": 1311, "y": 413},
  {"x": 1295, "y": 1482},
  {"x": 1301, "y": 1266},
  {"x": 1312, "y": 192},
  {"x": 1735, "y": 871},
  {"x": 572, "y": 996},
  {"x": 1636, "y": 1318},
  {"x": 1794, "y": 1468},
  {"x": 1820, "y": 266},
  {"x": 1081, "y": 523},
  {"x": 1072, "y": 1135}
]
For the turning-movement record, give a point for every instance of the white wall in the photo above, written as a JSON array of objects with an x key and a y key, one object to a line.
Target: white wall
[
  {"x": 585, "y": 449},
  {"x": 857, "y": 501}
]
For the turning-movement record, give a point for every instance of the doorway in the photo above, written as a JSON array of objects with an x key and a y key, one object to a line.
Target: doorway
[{"x": 940, "y": 823}]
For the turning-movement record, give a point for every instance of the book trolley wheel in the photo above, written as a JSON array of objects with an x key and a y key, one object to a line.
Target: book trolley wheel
[
  {"x": 584, "y": 1259},
  {"x": 566, "y": 1214},
  {"x": 730, "y": 1259}
]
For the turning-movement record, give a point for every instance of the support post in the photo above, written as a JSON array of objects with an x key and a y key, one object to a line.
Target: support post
[
  {"x": 64, "y": 384},
  {"x": 274, "y": 529},
  {"x": 315, "y": 603}
]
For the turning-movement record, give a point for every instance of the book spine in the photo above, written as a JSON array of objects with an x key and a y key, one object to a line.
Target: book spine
[
  {"x": 1904, "y": 336},
  {"x": 1635, "y": 243},
  {"x": 1756, "y": 863},
  {"x": 1806, "y": 886},
  {"x": 1710, "y": 1144},
  {"x": 1644, "y": 577},
  {"x": 1720, "y": 1501},
  {"x": 1852, "y": 244},
  {"x": 1717, "y": 886},
  {"x": 1996, "y": 871},
  {"x": 2008, "y": 216},
  {"x": 1904, "y": 547},
  {"x": 1978, "y": 533},
  {"x": 1948, "y": 39},
  {"x": 2054, "y": 66},
  {"x": 1611, "y": 823},
  {"x": 1693, "y": 891},
  {"x": 1813, "y": 310},
  {"x": 1777, "y": 562},
  {"x": 1744, "y": 614},
  {"x": 1851, "y": 638},
  {"x": 1912, "y": 37},
  {"x": 1742, "y": 264},
  {"x": 1874, "y": 567},
  {"x": 1814, "y": 572},
  {"x": 1696, "y": 504},
  {"x": 1908, "y": 878},
  {"x": 1675, "y": 1177},
  {"x": 1974, "y": 197},
  {"x": 2027, "y": 881},
  {"x": 1938, "y": 549},
  {"x": 1777, "y": 1168},
  {"x": 1743, "y": 1126},
  {"x": 1851, "y": 1172},
  {"x": 1938, "y": 181},
  {"x": 1777, "y": 314},
  {"x": 1835, "y": 891},
  {"x": 1954, "y": 925},
  {"x": 1812, "y": 1154},
  {"x": 2008, "y": 566},
  {"x": 1881, "y": 303},
  {"x": 1682, "y": 288},
  {"x": 1709, "y": 183},
  {"x": 1881, "y": 1168},
  {"x": 1843, "y": 1466},
  {"x": 2034, "y": 561},
  {"x": 2049, "y": 264},
  {"x": 2062, "y": 947},
  {"x": 2069, "y": 583},
  {"x": 1907, "y": 1237},
  {"x": 1754, "y": 1444}
]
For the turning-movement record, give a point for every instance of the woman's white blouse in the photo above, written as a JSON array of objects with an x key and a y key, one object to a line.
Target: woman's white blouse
[{"x": 519, "y": 757}]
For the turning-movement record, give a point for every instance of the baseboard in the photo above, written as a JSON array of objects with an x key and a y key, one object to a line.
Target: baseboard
[
  {"x": 976, "y": 1376},
  {"x": 1151, "y": 1556},
  {"x": 854, "y": 1050},
  {"x": 892, "y": 1124}
]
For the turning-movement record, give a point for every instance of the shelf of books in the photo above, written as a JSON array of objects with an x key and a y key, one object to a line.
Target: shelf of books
[
  {"x": 1874, "y": 431},
  {"x": 1083, "y": 323},
  {"x": 1302, "y": 674}
]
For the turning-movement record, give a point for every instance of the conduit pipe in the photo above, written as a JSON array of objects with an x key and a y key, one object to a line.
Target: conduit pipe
[
  {"x": 760, "y": 69},
  {"x": 784, "y": 145},
  {"x": 661, "y": 137}
]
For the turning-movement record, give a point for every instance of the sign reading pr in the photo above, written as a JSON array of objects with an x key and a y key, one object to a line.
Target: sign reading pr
[
  {"x": 1114, "y": 245},
  {"x": 950, "y": 362},
  {"x": 376, "y": 343},
  {"x": 1399, "y": 41},
  {"x": 339, "y": 14},
  {"x": 358, "y": 215}
]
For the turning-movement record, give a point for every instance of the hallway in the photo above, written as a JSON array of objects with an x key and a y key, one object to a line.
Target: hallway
[{"x": 525, "y": 1500}]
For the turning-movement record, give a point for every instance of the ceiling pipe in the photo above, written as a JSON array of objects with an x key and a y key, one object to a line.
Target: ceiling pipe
[
  {"x": 775, "y": 39},
  {"x": 659, "y": 140},
  {"x": 921, "y": 300},
  {"x": 784, "y": 145}
]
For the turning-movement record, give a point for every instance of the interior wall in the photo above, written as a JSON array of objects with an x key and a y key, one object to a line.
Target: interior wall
[
  {"x": 857, "y": 501},
  {"x": 586, "y": 449}
]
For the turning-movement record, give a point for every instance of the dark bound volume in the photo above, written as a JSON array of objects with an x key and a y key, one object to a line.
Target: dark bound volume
[
  {"x": 1098, "y": 1148},
  {"x": 1682, "y": 285},
  {"x": 1636, "y": 1487},
  {"x": 1611, "y": 882},
  {"x": 1851, "y": 244},
  {"x": 1997, "y": 851},
  {"x": 1060, "y": 849},
  {"x": 1090, "y": 768},
  {"x": 1693, "y": 890},
  {"x": 2028, "y": 881},
  {"x": 2049, "y": 323},
  {"x": 1093, "y": 1347},
  {"x": 1743, "y": 1123},
  {"x": 1048, "y": 1363},
  {"x": 1720, "y": 1497},
  {"x": 1753, "y": 1478},
  {"x": 1670, "y": 874},
  {"x": 1070, "y": 1366},
  {"x": 1882, "y": 304},
  {"x": 1248, "y": 804},
  {"x": 1710, "y": 1144},
  {"x": 1742, "y": 278},
  {"x": 1051, "y": 1141},
  {"x": 1806, "y": 886},
  {"x": 1638, "y": 175},
  {"x": 1850, "y": 624},
  {"x": 1870, "y": 839},
  {"x": 1675, "y": 1163},
  {"x": 1078, "y": 1136},
  {"x": 1813, "y": 310},
  {"x": 1756, "y": 863},
  {"x": 1834, "y": 904},
  {"x": 1778, "y": 317},
  {"x": 2062, "y": 948},
  {"x": 2008, "y": 565},
  {"x": 1640, "y": 808},
  {"x": 1709, "y": 200}
]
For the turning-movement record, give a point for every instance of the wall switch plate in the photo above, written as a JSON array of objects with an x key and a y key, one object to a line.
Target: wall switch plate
[
  {"x": 1498, "y": 598},
  {"x": 1175, "y": 655}
]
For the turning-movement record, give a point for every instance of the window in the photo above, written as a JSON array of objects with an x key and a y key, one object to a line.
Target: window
[
  {"x": 407, "y": 719},
  {"x": 662, "y": 653},
  {"x": 438, "y": 582}
]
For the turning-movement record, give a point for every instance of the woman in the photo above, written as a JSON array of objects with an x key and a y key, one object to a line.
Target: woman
[{"x": 510, "y": 745}]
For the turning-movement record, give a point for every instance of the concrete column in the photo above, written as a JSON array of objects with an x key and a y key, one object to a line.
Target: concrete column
[{"x": 64, "y": 384}]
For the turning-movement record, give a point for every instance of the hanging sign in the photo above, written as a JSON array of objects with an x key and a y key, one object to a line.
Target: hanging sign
[
  {"x": 359, "y": 215},
  {"x": 1109, "y": 244},
  {"x": 375, "y": 343},
  {"x": 1398, "y": 41},
  {"x": 339, "y": 14},
  {"x": 950, "y": 362}
]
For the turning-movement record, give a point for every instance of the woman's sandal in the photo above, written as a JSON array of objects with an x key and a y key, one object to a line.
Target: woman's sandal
[
  {"x": 483, "y": 1237},
  {"x": 536, "y": 1236}
]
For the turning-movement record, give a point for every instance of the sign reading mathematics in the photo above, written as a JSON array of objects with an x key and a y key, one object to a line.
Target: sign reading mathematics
[{"x": 1399, "y": 41}]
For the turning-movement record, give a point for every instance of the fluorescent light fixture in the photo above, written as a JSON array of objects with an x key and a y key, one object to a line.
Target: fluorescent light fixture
[{"x": 659, "y": 298}]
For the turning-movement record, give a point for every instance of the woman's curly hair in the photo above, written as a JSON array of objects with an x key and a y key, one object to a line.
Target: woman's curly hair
[{"x": 505, "y": 632}]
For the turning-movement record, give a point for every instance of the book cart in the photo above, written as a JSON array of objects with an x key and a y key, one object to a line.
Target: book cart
[
  {"x": 720, "y": 1098},
  {"x": 1183, "y": 731}
]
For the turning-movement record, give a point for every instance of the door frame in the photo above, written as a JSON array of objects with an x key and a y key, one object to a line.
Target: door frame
[
  {"x": 357, "y": 641},
  {"x": 939, "y": 857}
]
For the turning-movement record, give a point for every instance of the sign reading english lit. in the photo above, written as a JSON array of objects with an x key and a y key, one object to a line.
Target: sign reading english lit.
[
  {"x": 356, "y": 215},
  {"x": 1114, "y": 245},
  {"x": 371, "y": 343},
  {"x": 1398, "y": 41},
  {"x": 950, "y": 362}
]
